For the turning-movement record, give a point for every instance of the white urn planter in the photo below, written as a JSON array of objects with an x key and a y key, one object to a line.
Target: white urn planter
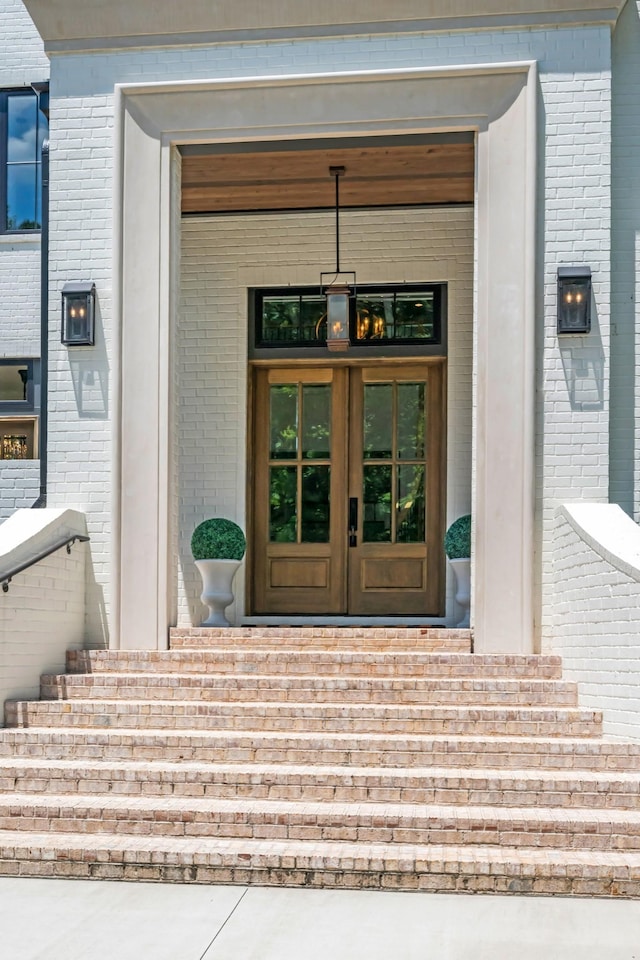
[
  {"x": 218, "y": 546},
  {"x": 217, "y": 593},
  {"x": 462, "y": 573},
  {"x": 457, "y": 546}
]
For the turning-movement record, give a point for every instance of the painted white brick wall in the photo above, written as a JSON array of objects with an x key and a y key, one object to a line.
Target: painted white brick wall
[
  {"x": 19, "y": 485},
  {"x": 22, "y": 61},
  {"x": 19, "y": 337},
  {"x": 573, "y": 216},
  {"x": 221, "y": 258},
  {"x": 41, "y": 617},
  {"x": 43, "y": 612},
  {"x": 22, "y": 57},
  {"x": 625, "y": 264},
  {"x": 80, "y": 386},
  {"x": 19, "y": 296},
  {"x": 596, "y": 629}
]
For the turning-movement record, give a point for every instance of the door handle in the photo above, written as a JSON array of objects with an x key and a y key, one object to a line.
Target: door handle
[{"x": 353, "y": 521}]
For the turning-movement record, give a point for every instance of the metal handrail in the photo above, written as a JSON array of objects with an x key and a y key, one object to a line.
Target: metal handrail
[{"x": 67, "y": 542}]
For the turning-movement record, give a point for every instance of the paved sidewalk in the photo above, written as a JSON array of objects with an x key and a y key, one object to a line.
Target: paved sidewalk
[{"x": 86, "y": 920}]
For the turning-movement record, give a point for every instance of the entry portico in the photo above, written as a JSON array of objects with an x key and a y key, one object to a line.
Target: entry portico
[{"x": 497, "y": 103}]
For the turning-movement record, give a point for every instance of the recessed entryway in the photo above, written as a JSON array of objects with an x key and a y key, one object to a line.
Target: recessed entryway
[{"x": 498, "y": 104}]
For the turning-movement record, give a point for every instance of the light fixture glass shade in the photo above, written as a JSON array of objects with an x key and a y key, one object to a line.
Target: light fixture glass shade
[
  {"x": 574, "y": 299},
  {"x": 338, "y": 317}
]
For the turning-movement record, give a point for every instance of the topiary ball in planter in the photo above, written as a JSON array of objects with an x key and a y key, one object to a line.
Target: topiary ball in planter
[
  {"x": 218, "y": 539},
  {"x": 457, "y": 540}
]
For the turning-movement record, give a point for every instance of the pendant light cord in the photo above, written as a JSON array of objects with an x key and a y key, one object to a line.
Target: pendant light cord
[{"x": 337, "y": 172}]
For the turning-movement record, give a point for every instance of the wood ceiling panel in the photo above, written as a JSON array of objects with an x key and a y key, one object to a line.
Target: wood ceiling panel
[{"x": 299, "y": 179}]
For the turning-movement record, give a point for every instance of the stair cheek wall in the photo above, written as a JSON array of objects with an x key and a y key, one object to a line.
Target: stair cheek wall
[{"x": 353, "y": 758}]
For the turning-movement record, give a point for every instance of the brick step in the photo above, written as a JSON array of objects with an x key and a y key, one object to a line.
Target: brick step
[
  {"x": 324, "y": 821},
  {"x": 563, "y": 789},
  {"x": 399, "y": 750},
  {"x": 424, "y": 639},
  {"x": 436, "y": 868},
  {"x": 325, "y": 718},
  {"x": 318, "y": 663},
  {"x": 279, "y": 688}
]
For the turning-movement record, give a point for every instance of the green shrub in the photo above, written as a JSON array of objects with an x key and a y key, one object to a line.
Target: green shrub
[
  {"x": 218, "y": 539},
  {"x": 457, "y": 540}
]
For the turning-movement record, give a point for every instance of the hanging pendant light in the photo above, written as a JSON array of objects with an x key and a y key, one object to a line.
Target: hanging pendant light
[{"x": 335, "y": 288}]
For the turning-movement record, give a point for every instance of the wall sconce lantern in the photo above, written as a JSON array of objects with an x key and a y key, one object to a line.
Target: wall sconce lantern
[
  {"x": 78, "y": 314},
  {"x": 337, "y": 291},
  {"x": 574, "y": 299}
]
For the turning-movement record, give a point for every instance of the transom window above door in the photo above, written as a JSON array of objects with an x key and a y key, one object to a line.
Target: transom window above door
[{"x": 400, "y": 318}]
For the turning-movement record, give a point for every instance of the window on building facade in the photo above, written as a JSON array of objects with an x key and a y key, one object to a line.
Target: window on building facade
[
  {"x": 23, "y": 128},
  {"x": 19, "y": 400},
  {"x": 406, "y": 314}
]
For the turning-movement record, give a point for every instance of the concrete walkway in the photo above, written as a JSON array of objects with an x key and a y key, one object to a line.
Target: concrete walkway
[{"x": 100, "y": 920}]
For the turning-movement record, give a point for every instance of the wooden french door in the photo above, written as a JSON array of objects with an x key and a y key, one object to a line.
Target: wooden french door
[{"x": 347, "y": 476}]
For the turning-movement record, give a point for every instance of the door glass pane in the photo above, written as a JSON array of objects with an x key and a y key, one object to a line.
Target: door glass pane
[
  {"x": 315, "y": 504},
  {"x": 316, "y": 421},
  {"x": 376, "y": 499},
  {"x": 283, "y": 419},
  {"x": 378, "y": 421},
  {"x": 410, "y": 504},
  {"x": 282, "y": 504},
  {"x": 411, "y": 416}
]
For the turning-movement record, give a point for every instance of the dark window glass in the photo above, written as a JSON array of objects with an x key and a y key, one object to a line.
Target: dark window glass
[
  {"x": 22, "y": 131},
  {"x": 292, "y": 317},
  {"x": 298, "y": 319},
  {"x": 17, "y": 386},
  {"x": 396, "y": 316},
  {"x": 19, "y": 400}
]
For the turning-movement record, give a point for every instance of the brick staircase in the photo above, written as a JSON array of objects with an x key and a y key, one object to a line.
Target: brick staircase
[{"x": 361, "y": 758}]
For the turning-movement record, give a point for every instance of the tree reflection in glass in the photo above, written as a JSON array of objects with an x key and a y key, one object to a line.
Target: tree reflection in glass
[{"x": 283, "y": 420}]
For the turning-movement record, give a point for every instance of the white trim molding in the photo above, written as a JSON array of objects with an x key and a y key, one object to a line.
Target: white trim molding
[{"x": 75, "y": 25}]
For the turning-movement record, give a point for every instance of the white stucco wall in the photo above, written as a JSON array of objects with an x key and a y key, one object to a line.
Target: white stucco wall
[
  {"x": 596, "y": 626},
  {"x": 224, "y": 256},
  {"x": 574, "y": 182},
  {"x": 22, "y": 61}
]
